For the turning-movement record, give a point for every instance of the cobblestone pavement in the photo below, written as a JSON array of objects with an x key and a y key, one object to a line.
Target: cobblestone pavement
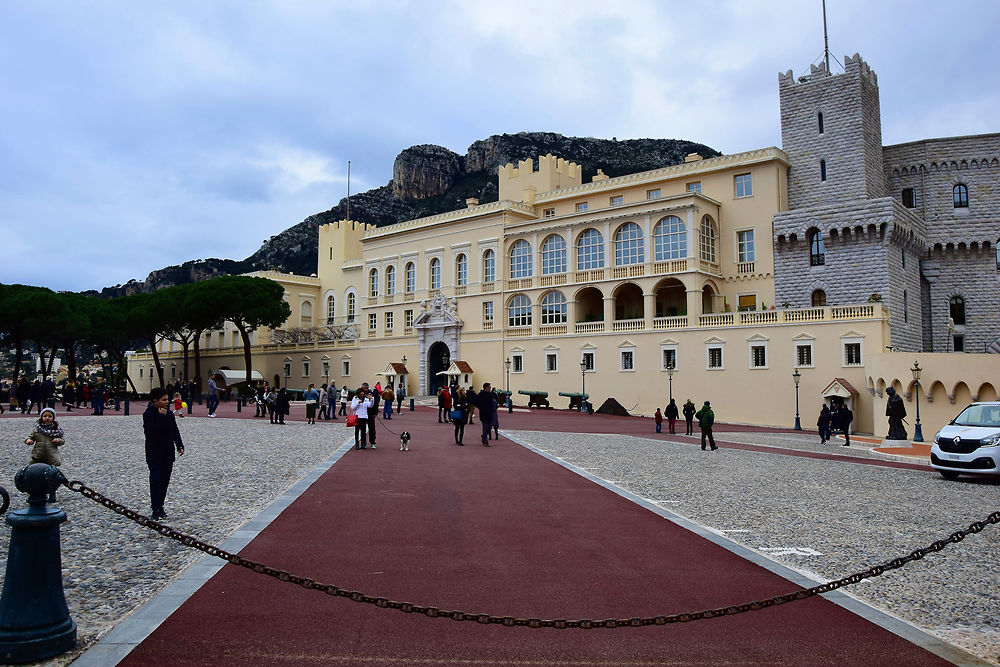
[{"x": 823, "y": 518}]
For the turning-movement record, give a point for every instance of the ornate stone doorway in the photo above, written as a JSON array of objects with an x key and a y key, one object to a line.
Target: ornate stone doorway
[
  {"x": 439, "y": 332},
  {"x": 438, "y": 359}
]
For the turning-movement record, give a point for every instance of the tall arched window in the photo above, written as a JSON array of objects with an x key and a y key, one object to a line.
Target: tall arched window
[
  {"x": 306, "y": 314},
  {"x": 960, "y": 194},
  {"x": 489, "y": 266},
  {"x": 956, "y": 310},
  {"x": 373, "y": 282},
  {"x": 461, "y": 270},
  {"x": 818, "y": 298},
  {"x": 554, "y": 255},
  {"x": 669, "y": 239},
  {"x": 411, "y": 277},
  {"x": 519, "y": 311},
  {"x": 435, "y": 273},
  {"x": 590, "y": 250},
  {"x": 352, "y": 307},
  {"x": 628, "y": 245},
  {"x": 331, "y": 309},
  {"x": 390, "y": 280},
  {"x": 520, "y": 260},
  {"x": 706, "y": 240},
  {"x": 817, "y": 254},
  {"x": 553, "y": 307}
]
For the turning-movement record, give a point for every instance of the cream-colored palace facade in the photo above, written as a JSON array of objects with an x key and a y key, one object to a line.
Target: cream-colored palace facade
[{"x": 626, "y": 276}]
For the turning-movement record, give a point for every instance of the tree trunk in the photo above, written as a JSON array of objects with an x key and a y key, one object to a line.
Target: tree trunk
[
  {"x": 247, "y": 357},
  {"x": 197, "y": 361},
  {"x": 156, "y": 360}
]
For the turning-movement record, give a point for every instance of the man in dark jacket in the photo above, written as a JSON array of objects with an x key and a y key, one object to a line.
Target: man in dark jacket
[
  {"x": 162, "y": 435},
  {"x": 706, "y": 418},
  {"x": 486, "y": 402}
]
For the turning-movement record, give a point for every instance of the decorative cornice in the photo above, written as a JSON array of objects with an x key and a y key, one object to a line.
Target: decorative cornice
[{"x": 452, "y": 216}]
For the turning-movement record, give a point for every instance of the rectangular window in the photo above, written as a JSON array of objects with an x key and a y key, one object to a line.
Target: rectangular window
[
  {"x": 617, "y": 200},
  {"x": 909, "y": 200},
  {"x": 804, "y": 355},
  {"x": 326, "y": 369},
  {"x": 747, "y": 302},
  {"x": 518, "y": 363},
  {"x": 694, "y": 187},
  {"x": 389, "y": 317},
  {"x": 744, "y": 246},
  {"x": 669, "y": 358},
  {"x": 408, "y": 319},
  {"x": 588, "y": 360},
  {"x": 487, "y": 311},
  {"x": 549, "y": 213},
  {"x": 959, "y": 343},
  {"x": 305, "y": 369},
  {"x": 140, "y": 372},
  {"x": 758, "y": 356},
  {"x": 287, "y": 369},
  {"x": 744, "y": 185},
  {"x": 551, "y": 362},
  {"x": 715, "y": 357},
  {"x": 173, "y": 374},
  {"x": 346, "y": 367},
  {"x": 852, "y": 354},
  {"x": 628, "y": 360},
  {"x": 581, "y": 207},
  {"x": 822, "y": 170},
  {"x": 653, "y": 194},
  {"x": 372, "y": 321}
]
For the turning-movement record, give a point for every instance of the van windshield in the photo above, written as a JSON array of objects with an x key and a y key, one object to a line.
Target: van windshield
[{"x": 979, "y": 415}]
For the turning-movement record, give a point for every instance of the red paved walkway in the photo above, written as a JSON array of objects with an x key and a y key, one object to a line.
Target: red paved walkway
[{"x": 503, "y": 531}]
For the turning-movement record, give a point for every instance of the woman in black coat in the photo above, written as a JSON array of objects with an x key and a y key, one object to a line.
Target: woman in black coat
[
  {"x": 461, "y": 404},
  {"x": 282, "y": 406}
]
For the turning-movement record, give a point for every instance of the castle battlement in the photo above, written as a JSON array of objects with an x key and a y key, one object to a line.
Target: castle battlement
[
  {"x": 854, "y": 65},
  {"x": 523, "y": 182}
]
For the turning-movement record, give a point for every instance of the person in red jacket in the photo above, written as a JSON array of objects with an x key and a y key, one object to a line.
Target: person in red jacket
[{"x": 446, "y": 400}]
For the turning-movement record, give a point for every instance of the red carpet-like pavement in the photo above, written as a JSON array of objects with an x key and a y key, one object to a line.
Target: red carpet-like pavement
[{"x": 504, "y": 531}]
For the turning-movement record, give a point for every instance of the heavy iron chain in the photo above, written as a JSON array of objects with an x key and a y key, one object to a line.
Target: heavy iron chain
[{"x": 584, "y": 624}]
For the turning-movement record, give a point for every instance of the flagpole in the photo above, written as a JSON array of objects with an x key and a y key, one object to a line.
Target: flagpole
[{"x": 349, "y": 185}]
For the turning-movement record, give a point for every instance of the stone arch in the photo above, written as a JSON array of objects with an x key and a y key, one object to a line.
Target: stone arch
[
  {"x": 589, "y": 304},
  {"x": 937, "y": 391},
  {"x": 986, "y": 392},
  {"x": 671, "y": 297},
  {"x": 628, "y": 301},
  {"x": 961, "y": 394},
  {"x": 438, "y": 359}
]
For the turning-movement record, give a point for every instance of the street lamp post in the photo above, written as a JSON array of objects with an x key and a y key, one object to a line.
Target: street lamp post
[
  {"x": 918, "y": 434},
  {"x": 506, "y": 365},
  {"x": 583, "y": 389},
  {"x": 670, "y": 377},
  {"x": 795, "y": 377}
]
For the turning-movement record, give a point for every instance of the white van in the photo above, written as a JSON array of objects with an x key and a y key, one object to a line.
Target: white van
[{"x": 970, "y": 444}]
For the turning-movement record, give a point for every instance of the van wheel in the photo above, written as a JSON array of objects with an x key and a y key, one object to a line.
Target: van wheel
[{"x": 948, "y": 474}]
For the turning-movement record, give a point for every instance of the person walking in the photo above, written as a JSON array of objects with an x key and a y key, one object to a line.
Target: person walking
[
  {"x": 344, "y": 395},
  {"x": 459, "y": 414},
  {"x": 388, "y": 397},
  {"x": 97, "y": 397},
  {"x": 282, "y": 405},
  {"x": 400, "y": 395},
  {"x": 271, "y": 401},
  {"x": 312, "y": 399},
  {"x": 360, "y": 405},
  {"x": 331, "y": 398},
  {"x": 440, "y": 405},
  {"x": 446, "y": 397},
  {"x": 658, "y": 418},
  {"x": 69, "y": 395},
  {"x": 823, "y": 424},
  {"x": 671, "y": 414},
  {"x": 162, "y": 437},
  {"x": 689, "y": 416},
  {"x": 706, "y": 418},
  {"x": 213, "y": 396},
  {"x": 37, "y": 396},
  {"x": 846, "y": 417},
  {"x": 260, "y": 391},
  {"x": 486, "y": 401}
]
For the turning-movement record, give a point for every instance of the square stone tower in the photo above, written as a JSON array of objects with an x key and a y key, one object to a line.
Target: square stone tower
[{"x": 831, "y": 129}]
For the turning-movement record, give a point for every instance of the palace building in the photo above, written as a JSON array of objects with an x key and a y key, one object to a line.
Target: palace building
[{"x": 760, "y": 281}]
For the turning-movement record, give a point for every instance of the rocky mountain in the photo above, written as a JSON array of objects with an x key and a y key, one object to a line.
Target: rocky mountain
[{"x": 426, "y": 180}]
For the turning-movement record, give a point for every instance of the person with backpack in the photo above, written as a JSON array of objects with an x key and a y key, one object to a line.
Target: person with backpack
[
  {"x": 705, "y": 420},
  {"x": 846, "y": 417},
  {"x": 689, "y": 417},
  {"x": 671, "y": 414}
]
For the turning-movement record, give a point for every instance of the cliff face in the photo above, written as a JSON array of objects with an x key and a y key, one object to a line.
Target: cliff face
[{"x": 426, "y": 180}]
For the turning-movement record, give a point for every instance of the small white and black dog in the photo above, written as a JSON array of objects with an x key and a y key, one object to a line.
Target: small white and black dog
[{"x": 404, "y": 441}]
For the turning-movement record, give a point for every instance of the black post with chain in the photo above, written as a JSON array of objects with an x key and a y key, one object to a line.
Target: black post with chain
[{"x": 584, "y": 624}]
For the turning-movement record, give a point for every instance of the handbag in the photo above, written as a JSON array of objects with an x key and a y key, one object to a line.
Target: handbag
[
  {"x": 352, "y": 421},
  {"x": 456, "y": 414}
]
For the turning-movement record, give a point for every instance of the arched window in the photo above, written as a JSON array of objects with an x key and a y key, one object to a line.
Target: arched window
[
  {"x": 390, "y": 280},
  {"x": 461, "y": 270},
  {"x": 820, "y": 119},
  {"x": 706, "y": 240},
  {"x": 373, "y": 282},
  {"x": 411, "y": 277},
  {"x": 628, "y": 245},
  {"x": 822, "y": 170},
  {"x": 553, "y": 306},
  {"x": 519, "y": 312},
  {"x": 590, "y": 250},
  {"x": 306, "y": 314},
  {"x": 960, "y": 194},
  {"x": 331, "y": 309},
  {"x": 669, "y": 239},
  {"x": 520, "y": 260},
  {"x": 906, "y": 307},
  {"x": 435, "y": 273},
  {"x": 956, "y": 310},
  {"x": 818, "y": 298},
  {"x": 489, "y": 266},
  {"x": 554, "y": 255},
  {"x": 352, "y": 307},
  {"x": 817, "y": 254}
]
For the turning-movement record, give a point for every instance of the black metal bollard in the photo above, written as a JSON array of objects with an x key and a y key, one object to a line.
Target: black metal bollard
[
  {"x": 190, "y": 404},
  {"x": 239, "y": 404},
  {"x": 510, "y": 405},
  {"x": 126, "y": 407},
  {"x": 34, "y": 620},
  {"x": 411, "y": 405}
]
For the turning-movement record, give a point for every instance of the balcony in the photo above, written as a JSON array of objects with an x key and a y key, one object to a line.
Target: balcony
[
  {"x": 670, "y": 266},
  {"x": 589, "y": 276},
  {"x": 489, "y": 287},
  {"x": 628, "y": 325},
  {"x": 518, "y": 283},
  {"x": 488, "y": 325},
  {"x": 519, "y": 332},
  {"x": 589, "y": 327},
  {"x": 673, "y": 322},
  {"x": 548, "y": 281},
  {"x": 390, "y": 298},
  {"x": 745, "y": 268},
  {"x": 552, "y": 330},
  {"x": 461, "y": 290},
  {"x": 630, "y": 271}
]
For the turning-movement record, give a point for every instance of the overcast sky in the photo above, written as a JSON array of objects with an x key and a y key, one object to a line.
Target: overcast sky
[{"x": 136, "y": 135}]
